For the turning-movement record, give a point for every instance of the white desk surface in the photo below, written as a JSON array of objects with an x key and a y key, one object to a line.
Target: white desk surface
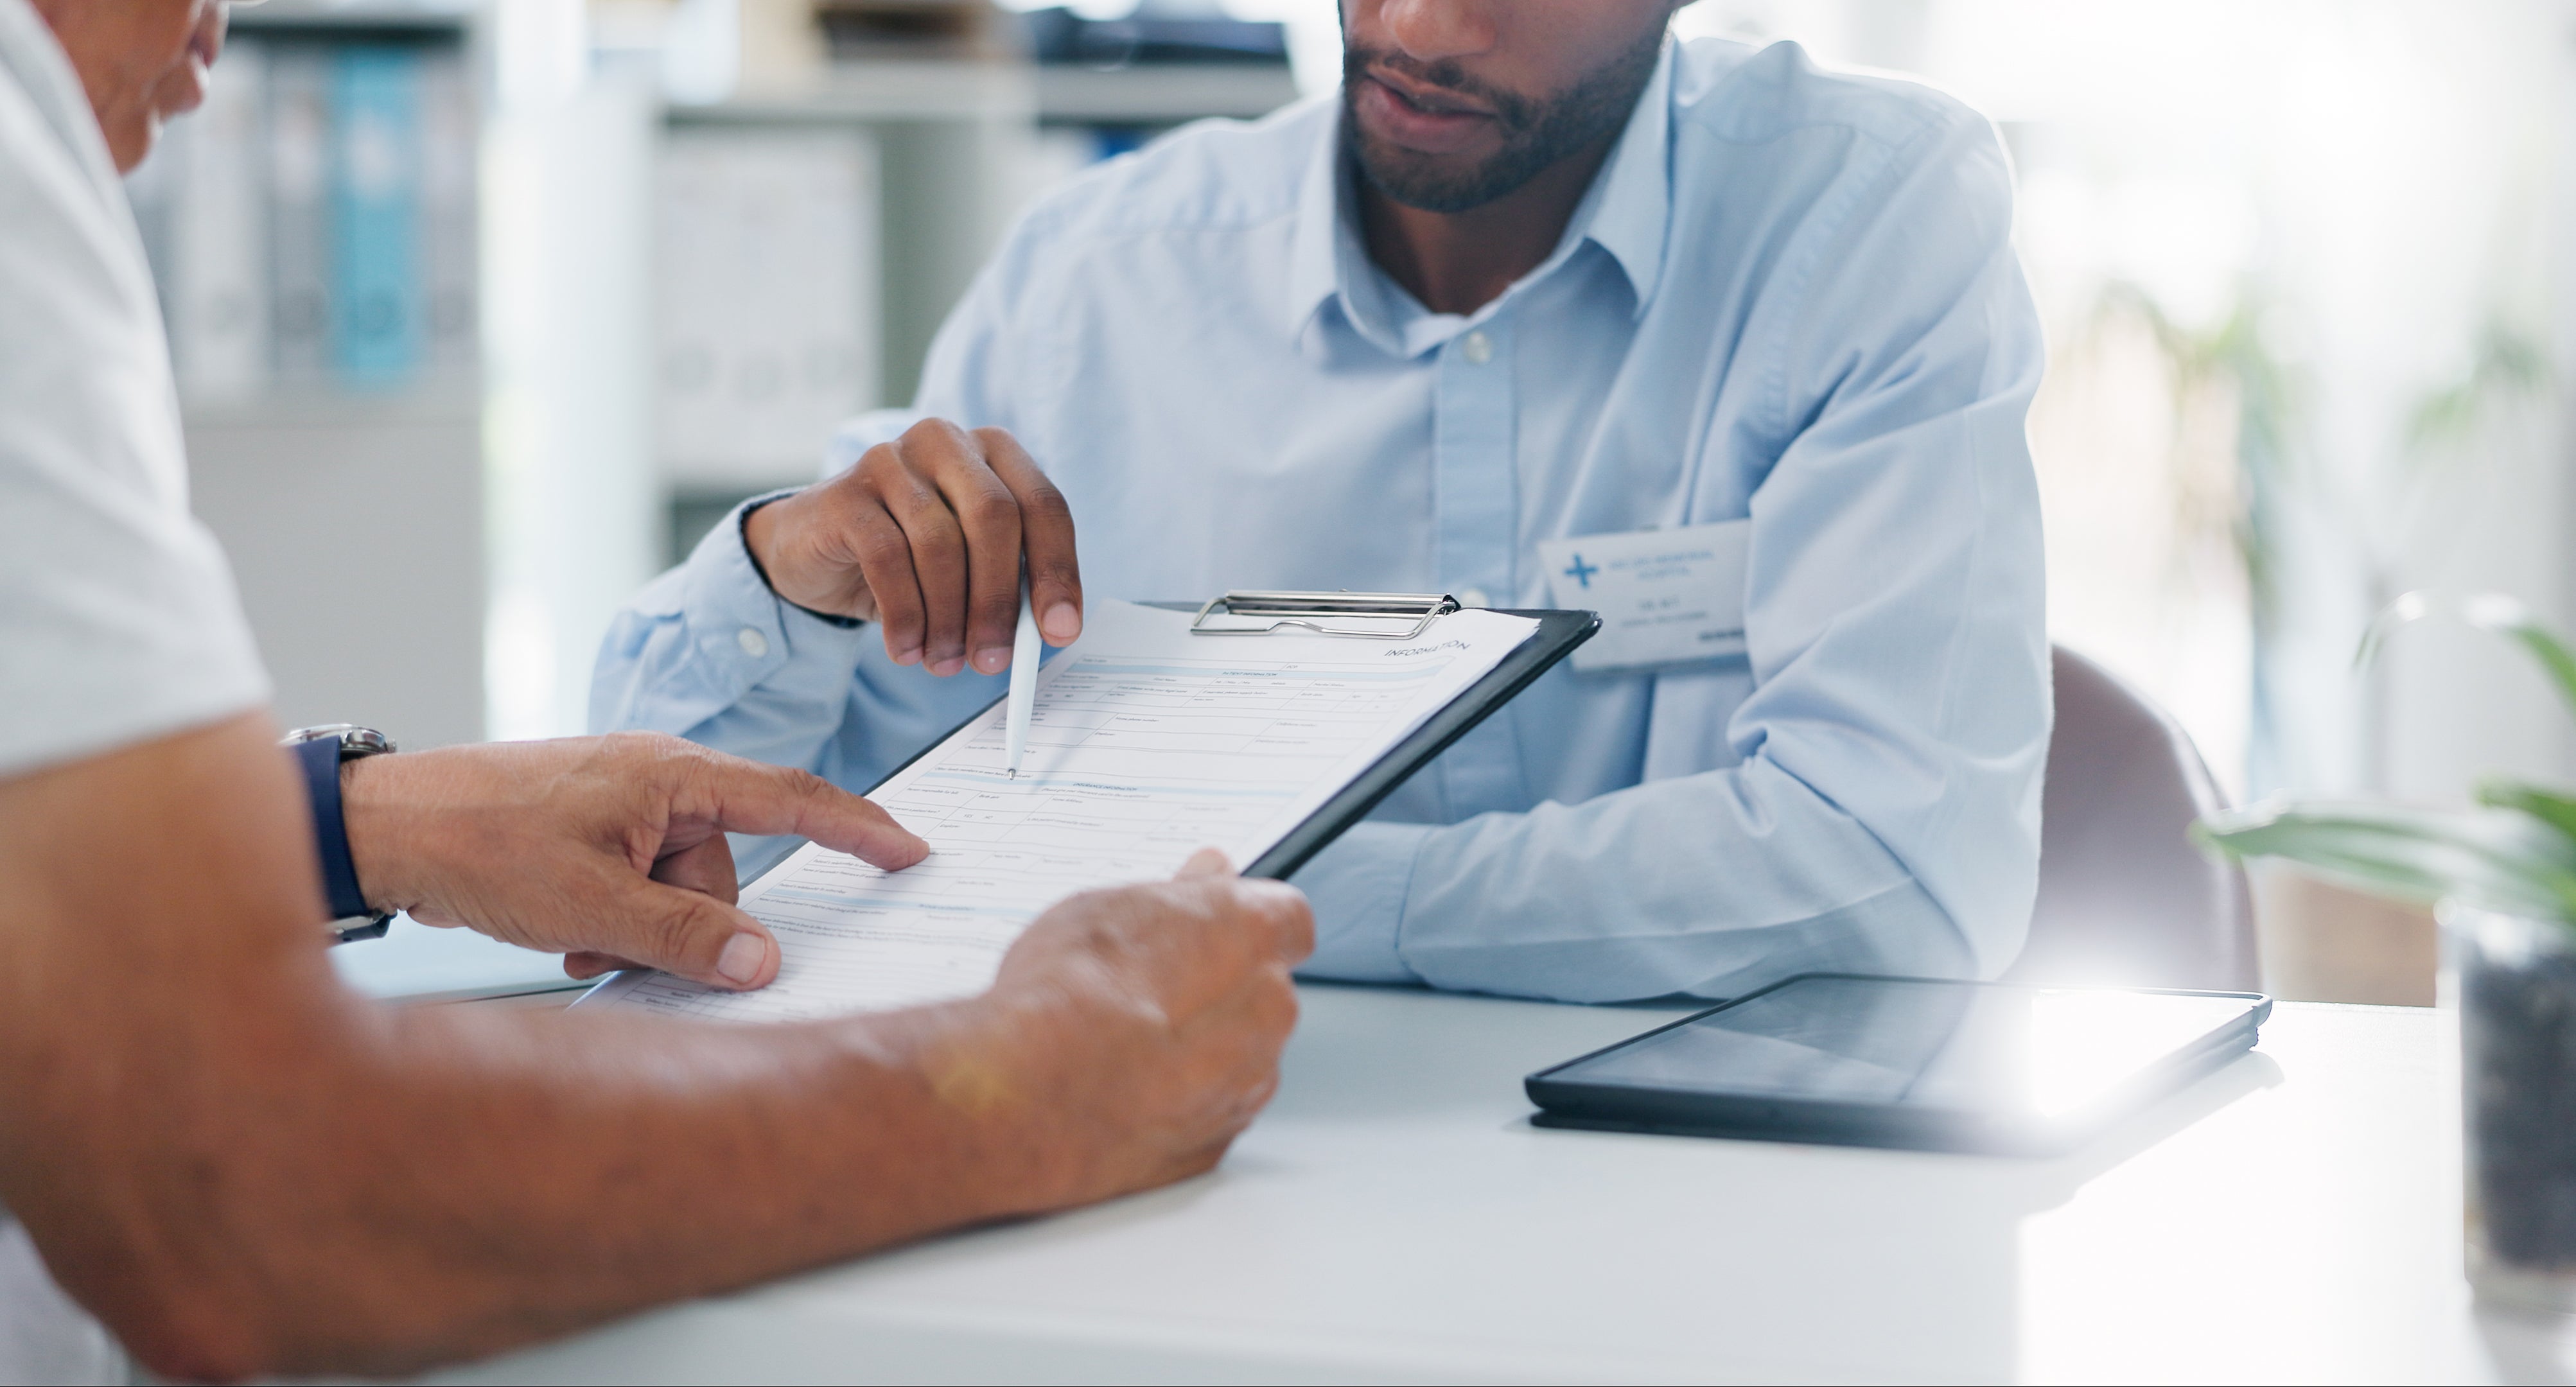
[{"x": 1394, "y": 1217}]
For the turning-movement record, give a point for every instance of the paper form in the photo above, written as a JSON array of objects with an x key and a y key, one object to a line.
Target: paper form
[{"x": 1147, "y": 744}]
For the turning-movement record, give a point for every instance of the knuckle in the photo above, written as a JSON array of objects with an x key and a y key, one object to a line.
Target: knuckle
[
  {"x": 646, "y": 748},
  {"x": 1279, "y": 1004},
  {"x": 1298, "y": 936},
  {"x": 931, "y": 430},
  {"x": 844, "y": 513},
  {"x": 1282, "y": 909},
  {"x": 938, "y": 533},
  {"x": 992, "y": 508},
  {"x": 881, "y": 547},
  {"x": 937, "y": 443},
  {"x": 804, "y": 782},
  {"x": 675, "y": 929},
  {"x": 913, "y": 503},
  {"x": 1047, "y": 503},
  {"x": 875, "y": 465}
]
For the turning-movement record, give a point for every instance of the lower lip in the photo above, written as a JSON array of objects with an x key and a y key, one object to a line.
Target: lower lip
[{"x": 1428, "y": 132}]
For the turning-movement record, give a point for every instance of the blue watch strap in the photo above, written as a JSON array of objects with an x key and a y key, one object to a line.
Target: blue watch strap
[{"x": 320, "y": 759}]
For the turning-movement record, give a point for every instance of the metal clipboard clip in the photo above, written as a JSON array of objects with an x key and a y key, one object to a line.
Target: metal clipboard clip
[{"x": 1326, "y": 613}]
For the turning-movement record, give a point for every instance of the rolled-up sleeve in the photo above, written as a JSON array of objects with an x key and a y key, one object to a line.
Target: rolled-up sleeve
[{"x": 1881, "y": 811}]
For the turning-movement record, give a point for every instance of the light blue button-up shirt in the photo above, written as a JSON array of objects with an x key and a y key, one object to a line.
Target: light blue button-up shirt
[{"x": 1790, "y": 295}]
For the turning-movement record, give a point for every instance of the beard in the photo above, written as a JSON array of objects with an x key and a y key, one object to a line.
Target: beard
[{"x": 1536, "y": 133}]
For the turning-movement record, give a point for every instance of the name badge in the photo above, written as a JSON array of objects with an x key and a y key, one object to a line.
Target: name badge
[{"x": 1666, "y": 597}]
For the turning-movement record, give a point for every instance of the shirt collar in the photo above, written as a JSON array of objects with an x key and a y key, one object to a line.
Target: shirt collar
[
  {"x": 1633, "y": 200},
  {"x": 1314, "y": 249},
  {"x": 1625, "y": 213}
]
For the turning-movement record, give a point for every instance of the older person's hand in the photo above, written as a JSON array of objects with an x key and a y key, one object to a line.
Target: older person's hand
[
  {"x": 1134, "y": 1032},
  {"x": 609, "y": 850}
]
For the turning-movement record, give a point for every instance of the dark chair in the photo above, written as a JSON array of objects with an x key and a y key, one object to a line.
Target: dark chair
[{"x": 2125, "y": 897}]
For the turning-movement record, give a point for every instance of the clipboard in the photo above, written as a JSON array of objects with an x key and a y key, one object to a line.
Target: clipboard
[{"x": 1558, "y": 633}]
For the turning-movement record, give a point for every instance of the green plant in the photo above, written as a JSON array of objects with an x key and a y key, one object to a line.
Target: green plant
[{"x": 2515, "y": 853}]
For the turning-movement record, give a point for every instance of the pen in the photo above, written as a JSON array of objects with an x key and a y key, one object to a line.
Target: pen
[{"x": 1024, "y": 682}]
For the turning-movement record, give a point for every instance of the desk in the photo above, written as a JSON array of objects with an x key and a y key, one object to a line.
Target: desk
[{"x": 1393, "y": 1216}]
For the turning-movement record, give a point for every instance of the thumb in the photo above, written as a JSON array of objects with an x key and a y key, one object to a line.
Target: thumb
[
  {"x": 1206, "y": 862},
  {"x": 693, "y": 935}
]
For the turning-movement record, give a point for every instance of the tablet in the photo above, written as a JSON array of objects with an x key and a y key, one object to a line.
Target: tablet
[{"x": 1923, "y": 1063}]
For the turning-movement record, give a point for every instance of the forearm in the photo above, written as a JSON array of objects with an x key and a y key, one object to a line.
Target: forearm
[
  {"x": 242, "y": 1167},
  {"x": 1713, "y": 884},
  {"x": 445, "y": 1182},
  {"x": 455, "y": 1182}
]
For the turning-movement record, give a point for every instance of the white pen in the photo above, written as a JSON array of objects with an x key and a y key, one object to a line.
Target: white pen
[{"x": 1024, "y": 682}]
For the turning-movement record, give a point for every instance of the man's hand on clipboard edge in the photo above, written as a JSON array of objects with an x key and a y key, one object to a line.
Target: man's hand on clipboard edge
[
  {"x": 1137, "y": 1030},
  {"x": 925, "y": 536}
]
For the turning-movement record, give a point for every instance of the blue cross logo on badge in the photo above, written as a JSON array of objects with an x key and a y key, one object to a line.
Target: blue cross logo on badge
[{"x": 1582, "y": 572}]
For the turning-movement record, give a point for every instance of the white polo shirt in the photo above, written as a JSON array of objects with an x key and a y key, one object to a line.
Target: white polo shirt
[{"x": 118, "y": 618}]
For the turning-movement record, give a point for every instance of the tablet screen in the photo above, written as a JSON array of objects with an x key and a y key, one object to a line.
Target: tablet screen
[{"x": 2046, "y": 1051}]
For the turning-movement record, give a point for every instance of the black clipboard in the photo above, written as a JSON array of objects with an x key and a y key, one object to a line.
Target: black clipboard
[{"x": 1557, "y": 634}]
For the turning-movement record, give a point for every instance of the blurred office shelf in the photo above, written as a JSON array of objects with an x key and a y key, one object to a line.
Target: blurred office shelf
[
  {"x": 766, "y": 281},
  {"x": 1160, "y": 96},
  {"x": 864, "y": 30},
  {"x": 960, "y": 148},
  {"x": 928, "y": 89},
  {"x": 343, "y": 20},
  {"x": 1060, "y": 36},
  {"x": 498, "y": 480},
  {"x": 439, "y": 402},
  {"x": 1165, "y": 95},
  {"x": 313, "y": 236}
]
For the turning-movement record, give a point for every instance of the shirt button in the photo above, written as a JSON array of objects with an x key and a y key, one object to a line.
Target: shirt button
[
  {"x": 1473, "y": 597},
  {"x": 752, "y": 642},
  {"x": 1477, "y": 348}
]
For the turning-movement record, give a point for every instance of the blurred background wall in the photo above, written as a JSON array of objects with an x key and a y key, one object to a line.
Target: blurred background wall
[{"x": 485, "y": 311}]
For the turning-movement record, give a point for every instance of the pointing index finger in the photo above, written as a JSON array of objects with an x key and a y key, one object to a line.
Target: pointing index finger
[{"x": 748, "y": 797}]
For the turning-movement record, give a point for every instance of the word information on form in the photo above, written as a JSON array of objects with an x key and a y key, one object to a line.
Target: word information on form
[{"x": 1146, "y": 745}]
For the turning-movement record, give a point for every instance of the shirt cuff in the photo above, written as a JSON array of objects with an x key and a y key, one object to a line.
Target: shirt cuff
[
  {"x": 739, "y": 625},
  {"x": 1357, "y": 886}
]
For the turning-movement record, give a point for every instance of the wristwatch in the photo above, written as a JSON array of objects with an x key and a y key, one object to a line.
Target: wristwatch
[{"x": 320, "y": 752}]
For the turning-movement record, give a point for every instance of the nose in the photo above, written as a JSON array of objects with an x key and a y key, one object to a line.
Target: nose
[{"x": 1431, "y": 30}]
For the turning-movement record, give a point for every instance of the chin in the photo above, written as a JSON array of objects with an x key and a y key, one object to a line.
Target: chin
[
  {"x": 1393, "y": 163},
  {"x": 1445, "y": 183}
]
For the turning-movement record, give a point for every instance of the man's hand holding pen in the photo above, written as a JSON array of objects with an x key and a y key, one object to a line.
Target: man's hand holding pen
[{"x": 925, "y": 536}]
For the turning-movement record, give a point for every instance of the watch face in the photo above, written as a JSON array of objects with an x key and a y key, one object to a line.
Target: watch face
[
  {"x": 355, "y": 741},
  {"x": 368, "y": 927}
]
